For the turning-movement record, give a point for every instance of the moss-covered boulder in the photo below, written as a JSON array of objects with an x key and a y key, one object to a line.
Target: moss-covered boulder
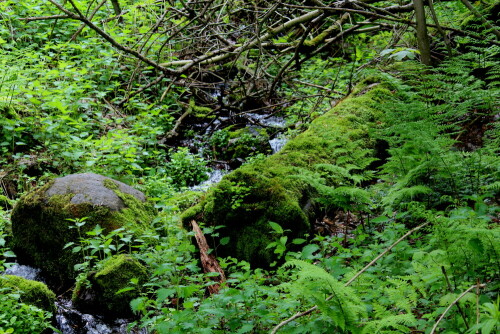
[
  {"x": 43, "y": 221},
  {"x": 100, "y": 295},
  {"x": 234, "y": 145},
  {"x": 31, "y": 292},
  {"x": 283, "y": 188}
]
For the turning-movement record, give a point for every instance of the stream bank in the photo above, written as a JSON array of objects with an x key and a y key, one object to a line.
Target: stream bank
[{"x": 67, "y": 318}]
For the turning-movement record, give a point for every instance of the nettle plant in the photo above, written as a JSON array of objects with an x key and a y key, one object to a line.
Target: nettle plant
[
  {"x": 19, "y": 317},
  {"x": 185, "y": 168},
  {"x": 96, "y": 245}
]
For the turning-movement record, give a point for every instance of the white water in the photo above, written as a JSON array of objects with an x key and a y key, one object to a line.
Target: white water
[
  {"x": 277, "y": 144},
  {"x": 266, "y": 120},
  {"x": 71, "y": 321},
  {"x": 25, "y": 272},
  {"x": 213, "y": 177}
]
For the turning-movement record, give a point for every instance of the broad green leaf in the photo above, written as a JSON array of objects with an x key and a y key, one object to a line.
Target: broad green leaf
[{"x": 276, "y": 227}]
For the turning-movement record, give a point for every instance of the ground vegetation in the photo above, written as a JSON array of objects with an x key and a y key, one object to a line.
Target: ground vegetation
[{"x": 393, "y": 140}]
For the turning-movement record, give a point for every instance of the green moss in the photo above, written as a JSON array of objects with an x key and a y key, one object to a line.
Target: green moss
[
  {"x": 42, "y": 228},
  {"x": 274, "y": 189},
  {"x": 136, "y": 211},
  {"x": 321, "y": 37},
  {"x": 32, "y": 292},
  {"x": 199, "y": 111},
  {"x": 184, "y": 200},
  {"x": 232, "y": 143},
  {"x": 116, "y": 274}
]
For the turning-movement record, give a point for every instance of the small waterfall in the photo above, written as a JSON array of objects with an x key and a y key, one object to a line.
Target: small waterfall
[
  {"x": 213, "y": 177},
  {"x": 71, "y": 321},
  {"x": 273, "y": 122},
  {"x": 25, "y": 272},
  {"x": 277, "y": 144},
  {"x": 266, "y": 120}
]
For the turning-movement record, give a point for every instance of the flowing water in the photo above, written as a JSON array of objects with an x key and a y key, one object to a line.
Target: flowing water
[
  {"x": 68, "y": 319},
  {"x": 213, "y": 177},
  {"x": 277, "y": 144}
]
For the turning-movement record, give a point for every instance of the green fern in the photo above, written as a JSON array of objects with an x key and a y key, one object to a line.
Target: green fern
[
  {"x": 313, "y": 283},
  {"x": 400, "y": 323}
]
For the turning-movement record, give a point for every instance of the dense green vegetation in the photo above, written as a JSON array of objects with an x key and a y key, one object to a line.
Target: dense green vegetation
[{"x": 158, "y": 93}]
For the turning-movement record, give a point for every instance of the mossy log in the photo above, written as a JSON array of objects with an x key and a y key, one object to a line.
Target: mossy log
[{"x": 275, "y": 189}]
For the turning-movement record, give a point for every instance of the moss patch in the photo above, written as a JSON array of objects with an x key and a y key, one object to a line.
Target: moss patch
[
  {"x": 275, "y": 189},
  {"x": 102, "y": 295},
  {"x": 32, "y": 292},
  {"x": 141, "y": 213}
]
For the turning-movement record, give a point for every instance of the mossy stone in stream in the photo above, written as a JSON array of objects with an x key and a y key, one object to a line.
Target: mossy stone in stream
[
  {"x": 102, "y": 295},
  {"x": 235, "y": 145},
  {"x": 277, "y": 189},
  {"x": 32, "y": 292},
  {"x": 43, "y": 220}
]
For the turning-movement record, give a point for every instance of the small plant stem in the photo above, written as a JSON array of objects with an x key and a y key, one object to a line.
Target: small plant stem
[
  {"x": 475, "y": 286},
  {"x": 314, "y": 308},
  {"x": 451, "y": 290},
  {"x": 478, "y": 316}
]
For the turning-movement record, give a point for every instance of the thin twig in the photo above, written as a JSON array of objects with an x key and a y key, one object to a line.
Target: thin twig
[
  {"x": 480, "y": 17},
  {"x": 75, "y": 35},
  {"x": 111, "y": 40},
  {"x": 453, "y": 303},
  {"x": 451, "y": 290}
]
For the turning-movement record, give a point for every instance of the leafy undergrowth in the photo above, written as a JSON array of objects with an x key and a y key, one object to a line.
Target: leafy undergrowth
[
  {"x": 431, "y": 177},
  {"x": 440, "y": 148}
]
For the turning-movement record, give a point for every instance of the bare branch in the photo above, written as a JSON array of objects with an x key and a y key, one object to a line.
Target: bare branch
[
  {"x": 433, "y": 330},
  {"x": 112, "y": 41},
  {"x": 479, "y": 16},
  {"x": 75, "y": 35},
  {"x": 42, "y": 18}
]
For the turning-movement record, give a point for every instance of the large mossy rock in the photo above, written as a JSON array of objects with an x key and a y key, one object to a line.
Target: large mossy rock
[
  {"x": 43, "y": 221},
  {"x": 101, "y": 296},
  {"x": 283, "y": 188},
  {"x": 31, "y": 292}
]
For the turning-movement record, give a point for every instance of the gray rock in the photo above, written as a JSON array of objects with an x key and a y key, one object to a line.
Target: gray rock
[
  {"x": 90, "y": 188},
  {"x": 43, "y": 221}
]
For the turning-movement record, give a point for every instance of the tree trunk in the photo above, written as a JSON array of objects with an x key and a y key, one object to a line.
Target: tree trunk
[
  {"x": 117, "y": 9},
  {"x": 422, "y": 38}
]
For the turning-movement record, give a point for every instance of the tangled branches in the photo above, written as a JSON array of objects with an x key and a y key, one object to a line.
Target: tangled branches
[{"x": 219, "y": 48}]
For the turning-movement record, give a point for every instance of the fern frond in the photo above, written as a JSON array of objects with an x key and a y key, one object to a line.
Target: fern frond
[
  {"x": 314, "y": 283},
  {"x": 400, "y": 323}
]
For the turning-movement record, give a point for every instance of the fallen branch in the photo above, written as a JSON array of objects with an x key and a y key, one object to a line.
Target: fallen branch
[
  {"x": 75, "y": 35},
  {"x": 453, "y": 303},
  {"x": 314, "y": 308},
  {"x": 208, "y": 261},
  {"x": 480, "y": 17},
  {"x": 178, "y": 123}
]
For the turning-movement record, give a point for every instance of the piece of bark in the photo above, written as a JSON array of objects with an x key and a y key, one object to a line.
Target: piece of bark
[{"x": 208, "y": 261}]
